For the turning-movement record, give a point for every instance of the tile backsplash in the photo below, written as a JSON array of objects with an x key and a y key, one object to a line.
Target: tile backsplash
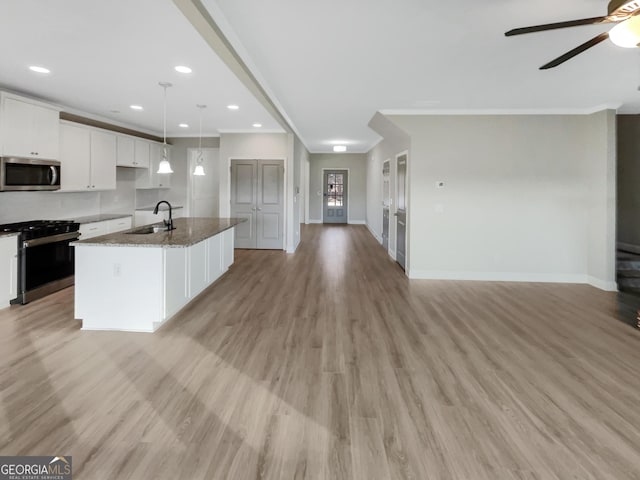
[{"x": 23, "y": 206}]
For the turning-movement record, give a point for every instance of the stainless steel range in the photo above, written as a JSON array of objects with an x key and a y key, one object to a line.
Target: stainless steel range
[{"x": 45, "y": 259}]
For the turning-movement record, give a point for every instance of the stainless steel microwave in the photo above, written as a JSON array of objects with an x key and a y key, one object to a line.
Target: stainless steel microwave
[{"x": 25, "y": 174}]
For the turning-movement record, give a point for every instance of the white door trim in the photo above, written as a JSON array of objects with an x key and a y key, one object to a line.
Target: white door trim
[
  {"x": 407, "y": 243},
  {"x": 348, "y": 191}
]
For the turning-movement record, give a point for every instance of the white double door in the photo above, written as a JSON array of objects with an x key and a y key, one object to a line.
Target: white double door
[{"x": 257, "y": 194}]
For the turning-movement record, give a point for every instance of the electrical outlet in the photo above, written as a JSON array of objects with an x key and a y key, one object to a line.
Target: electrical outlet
[{"x": 116, "y": 270}]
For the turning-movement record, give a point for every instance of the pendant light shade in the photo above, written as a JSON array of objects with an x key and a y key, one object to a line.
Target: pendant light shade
[
  {"x": 199, "y": 170},
  {"x": 164, "y": 166},
  {"x": 627, "y": 33}
]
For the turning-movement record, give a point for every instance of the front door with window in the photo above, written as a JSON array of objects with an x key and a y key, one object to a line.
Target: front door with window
[{"x": 335, "y": 196}]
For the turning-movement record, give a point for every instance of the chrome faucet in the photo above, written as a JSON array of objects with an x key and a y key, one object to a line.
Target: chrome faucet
[{"x": 167, "y": 223}]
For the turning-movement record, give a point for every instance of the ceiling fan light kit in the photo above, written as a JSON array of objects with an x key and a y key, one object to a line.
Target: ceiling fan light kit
[{"x": 625, "y": 34}]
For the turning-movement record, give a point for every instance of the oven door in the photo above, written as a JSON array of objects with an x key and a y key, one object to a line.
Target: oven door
[
  {"x": 46, "y": 265},
  {"x": 29, "y": 174}
]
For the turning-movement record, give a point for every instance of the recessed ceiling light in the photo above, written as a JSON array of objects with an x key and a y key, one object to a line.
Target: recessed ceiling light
[
  {"x": 233, "y": 107},
  {"x": 35, "y": 68},
  {"x": 339, "y": 148},
  {"x": 183, "y": 69},
  {"x": 184, "y": 125},
  {"x": 257, "y": 125},
  {"x": 136, "y": 107}
]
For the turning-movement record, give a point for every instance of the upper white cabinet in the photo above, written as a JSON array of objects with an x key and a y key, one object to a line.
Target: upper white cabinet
[
  {"x": 28, "y": 128},
  {"x": 88, "y": 158},
  {"x": 126, "y": 155},
  {"x": 151, "y": 178},
  {"x": 142, "y": 153}
]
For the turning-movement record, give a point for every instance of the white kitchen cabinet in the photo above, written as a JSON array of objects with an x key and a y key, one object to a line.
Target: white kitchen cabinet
[
  {"x": 95, "y": 229},
  {"x": 126, "y": 151},
  {"x": 175, "y": 279},
  {"x": 29, "y": 128},
  {"x": 103, "y": 160},
  {"x": 119, "y": 224},
  {"x": 151, "y": 178},
  {"x": 197, "y": 268},
  {"x": 87, "y": 157},
  {"x": 227, "y": 249},
  {"x": 214, "y": 258},
  {"x": 9, "y": 269},
  {"x": 142, "y": 152}
]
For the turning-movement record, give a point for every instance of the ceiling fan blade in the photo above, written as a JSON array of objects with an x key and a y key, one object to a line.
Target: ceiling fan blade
[
  {"x": 576, "y": 51},
  {"x": 554, "y": 26}
]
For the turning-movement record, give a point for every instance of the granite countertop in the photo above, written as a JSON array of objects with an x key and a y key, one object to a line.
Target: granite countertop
[
  {"x": 102, "y": 217},
  {"x": 162, "y": 208},
  {"x": 188, "y": 231}
]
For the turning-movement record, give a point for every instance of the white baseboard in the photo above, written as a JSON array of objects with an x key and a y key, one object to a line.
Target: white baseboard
[
  {"x": 497, "y": 276},
  {"x": 311, "y": 220},
  {"x": 392, "y": 254},
  {"x": 357, "y": 222},
  {"x": 602, "y": 284},
  {"x": 372, "y": 232}
]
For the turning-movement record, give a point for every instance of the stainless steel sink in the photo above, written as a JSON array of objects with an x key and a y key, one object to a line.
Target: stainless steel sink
[{"x": 148, "y": 229}]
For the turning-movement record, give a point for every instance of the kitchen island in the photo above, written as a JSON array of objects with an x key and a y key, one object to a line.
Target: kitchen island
[{"x": 135, "y": 281}]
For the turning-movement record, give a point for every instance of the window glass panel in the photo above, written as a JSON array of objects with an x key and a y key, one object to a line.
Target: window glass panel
[
  {"x": 339, "y": 201},
  {"x": 331, "y": 178},
  {"x": 339, "y": 178}
]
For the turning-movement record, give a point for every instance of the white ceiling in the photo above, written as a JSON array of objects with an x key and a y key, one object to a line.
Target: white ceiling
[
  {"x": 332, "y": 64},
  {"x": 107, "y": 55},
  {"x": 328, "y": 65}
]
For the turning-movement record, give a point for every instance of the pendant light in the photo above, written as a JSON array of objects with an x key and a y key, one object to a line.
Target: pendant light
[
  {"x": 199, "y": 170},
  {"x": 164, "y": 166}
]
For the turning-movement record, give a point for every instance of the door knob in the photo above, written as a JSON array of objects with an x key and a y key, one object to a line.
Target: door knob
[{"x": 259, "y": 209}]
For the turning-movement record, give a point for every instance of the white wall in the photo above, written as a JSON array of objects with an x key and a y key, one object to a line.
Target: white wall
[
  {"x": 356, "y": 163},
  {"x": 526, "y": 197}
]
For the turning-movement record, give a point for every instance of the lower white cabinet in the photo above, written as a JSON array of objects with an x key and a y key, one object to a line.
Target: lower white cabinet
[
  {"x": 90, "y": 230},
  {"x": 151, "y": 284},
  {"x": 95, "y": 229},
  {"x": 8, "y": 269},
  {"x": 119, "y": 224}
]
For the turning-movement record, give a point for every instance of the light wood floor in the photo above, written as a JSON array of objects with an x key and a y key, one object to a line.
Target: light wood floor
[{"x": 330, "y": 364}]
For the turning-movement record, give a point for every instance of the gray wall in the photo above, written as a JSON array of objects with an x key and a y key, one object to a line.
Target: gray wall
[
  {"x": 394, "y": 142},
  {"x": 357, "y": 165},
  {"x": 301, "y": 157},
  {"x": 525, "y": 197},
  {"x": 629, "y": 179}
]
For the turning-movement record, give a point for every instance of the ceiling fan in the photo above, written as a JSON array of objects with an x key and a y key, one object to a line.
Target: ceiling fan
[{"x": 625, "y": 34}]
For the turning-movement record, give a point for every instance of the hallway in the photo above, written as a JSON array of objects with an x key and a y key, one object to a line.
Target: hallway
[{"x": 330, "y": 363}]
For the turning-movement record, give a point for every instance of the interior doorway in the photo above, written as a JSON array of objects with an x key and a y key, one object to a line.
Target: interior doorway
[
  {"x": 401, "y": 210},
  {"x": 335, "y": 199},
  {"x": 386, "y": 201},
  {"x": 257, "y": 194}
]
